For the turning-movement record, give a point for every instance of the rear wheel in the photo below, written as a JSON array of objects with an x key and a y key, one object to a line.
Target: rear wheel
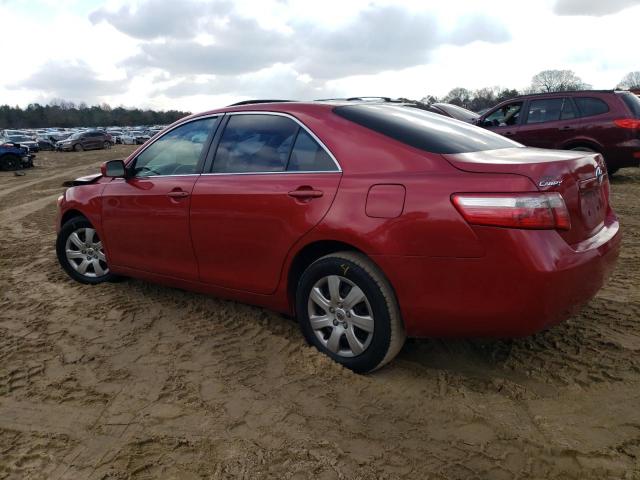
[
  {"x": 78, "y": 147},
  {"x": 81, "y": 254},
  {"x": 348, "y": 310},
  {"x": 10, "y": 162},
  {"x": 107, "y": 145}
]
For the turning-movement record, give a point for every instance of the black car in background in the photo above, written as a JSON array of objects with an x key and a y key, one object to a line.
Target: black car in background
[
  {"x": 46, "y": 143},
  {"x": 23, "y": 141},
  {"x": 454, "y": 111},
  {"x": 89, "y": 140}
]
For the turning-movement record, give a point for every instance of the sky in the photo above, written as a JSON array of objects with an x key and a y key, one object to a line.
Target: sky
[{"x": 196, "y": 55}]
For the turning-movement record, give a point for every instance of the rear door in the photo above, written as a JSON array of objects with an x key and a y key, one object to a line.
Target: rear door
[
  {"x": 271, "y": 181},
  {"x": 549, "y": 122},
  {"x": 145, "y": 218},
  {"x": 91, "y": 140},
  {"x": 505, "y": 120}
]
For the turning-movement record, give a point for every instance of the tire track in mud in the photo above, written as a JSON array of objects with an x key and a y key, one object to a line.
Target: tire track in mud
[{"x": 133, "y": 380}]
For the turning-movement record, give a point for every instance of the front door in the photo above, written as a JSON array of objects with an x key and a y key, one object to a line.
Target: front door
[
  {"x": 145, "y": 218},
  {"x": 271, "y": 182}
]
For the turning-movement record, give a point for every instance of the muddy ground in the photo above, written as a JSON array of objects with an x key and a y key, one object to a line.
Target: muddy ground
[{"x": 136, "y": 381}]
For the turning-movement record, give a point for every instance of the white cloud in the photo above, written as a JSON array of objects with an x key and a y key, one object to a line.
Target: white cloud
[
  {"x": 198, "y": 54},
  {"x": 592, "y": 7}
]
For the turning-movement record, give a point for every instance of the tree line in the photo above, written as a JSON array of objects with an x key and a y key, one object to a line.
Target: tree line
[
  {"x": 545, "y": 81},
  {"x": 60, "y": 113}
]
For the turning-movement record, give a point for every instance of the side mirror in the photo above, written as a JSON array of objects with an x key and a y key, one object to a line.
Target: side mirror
[{"x": 114, "y": 169}]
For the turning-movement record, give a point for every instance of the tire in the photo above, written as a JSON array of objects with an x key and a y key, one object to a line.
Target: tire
[
  {"x": 78, "y": 147},
  {"x": 107, "y": 145},
  {"x": 82, "y": 256},
  {"x": 335, "y": 331},
  {"x": 10, "y": 162}
]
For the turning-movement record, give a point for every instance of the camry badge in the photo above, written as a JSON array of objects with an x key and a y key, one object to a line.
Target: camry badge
[
  {"x": 549, "y": 183},
  {"x": 599, "y": 175}
]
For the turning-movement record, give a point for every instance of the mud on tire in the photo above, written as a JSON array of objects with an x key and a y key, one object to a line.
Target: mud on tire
[{"x": 374, "y": 348}]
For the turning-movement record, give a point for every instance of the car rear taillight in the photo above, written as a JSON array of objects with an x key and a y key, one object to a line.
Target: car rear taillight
[
  {"x": 632, "y": 123},
  {"x": 544, "y": 211}
]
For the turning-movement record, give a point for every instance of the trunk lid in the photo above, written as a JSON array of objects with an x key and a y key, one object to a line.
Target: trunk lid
[{"x": 580, "y": 177}]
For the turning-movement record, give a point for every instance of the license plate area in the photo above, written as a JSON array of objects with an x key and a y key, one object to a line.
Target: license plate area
[{"x": 592, "y": 206}]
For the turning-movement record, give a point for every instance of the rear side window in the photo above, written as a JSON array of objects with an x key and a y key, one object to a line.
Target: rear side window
[
  {"x": 255, "y": 143},
  {"x": 632, "y": 102},
  {"x": 590, "y": 106},
  {"x": 308, "y": 156},
  {"x": 424, "y": 130}
]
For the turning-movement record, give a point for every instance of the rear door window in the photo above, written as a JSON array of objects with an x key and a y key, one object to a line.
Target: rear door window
[
  {"x": 544, "y": 110},
  {"x": 255, "y": 143},
  {"x": 590, "y": 106}
]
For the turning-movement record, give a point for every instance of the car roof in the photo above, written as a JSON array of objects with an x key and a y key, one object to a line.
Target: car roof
[
  {"x": 292, "y": 106},
  {"x": 565, "y": 93}
]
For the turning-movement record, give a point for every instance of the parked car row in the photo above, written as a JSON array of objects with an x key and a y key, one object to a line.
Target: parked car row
[{"x": 76, "y": 139}]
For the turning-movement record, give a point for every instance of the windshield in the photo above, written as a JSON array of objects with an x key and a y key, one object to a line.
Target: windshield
[
  {"x": 424, "y": 130},
  {"x": 75, "y": 136}
]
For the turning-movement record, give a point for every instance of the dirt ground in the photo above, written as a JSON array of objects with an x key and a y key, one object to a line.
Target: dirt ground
[{"x": 136, "y": 381}]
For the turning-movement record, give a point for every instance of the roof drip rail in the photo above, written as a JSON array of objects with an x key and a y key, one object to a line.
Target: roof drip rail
[
  {"x": 251, "y": 102},
  {"x": 360, "y": 99}
]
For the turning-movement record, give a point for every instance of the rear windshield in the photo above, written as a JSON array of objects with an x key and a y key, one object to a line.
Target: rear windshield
[
  {"x": 632, "y": 102},
  {"x": 424, "y": 130}
]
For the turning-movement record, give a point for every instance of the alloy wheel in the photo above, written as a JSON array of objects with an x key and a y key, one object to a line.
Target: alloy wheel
[
  {"x": 83, "y": 250},
  {"x": 340, "y": 316}
]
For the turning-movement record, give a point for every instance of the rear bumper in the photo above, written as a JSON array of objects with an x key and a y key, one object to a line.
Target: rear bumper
[{"x": 528, "y": 281}]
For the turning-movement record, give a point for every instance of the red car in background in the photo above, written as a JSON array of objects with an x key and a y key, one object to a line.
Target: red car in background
[
  {"x": 368, "y": 222},
  {"x": 599, "y": 121}
]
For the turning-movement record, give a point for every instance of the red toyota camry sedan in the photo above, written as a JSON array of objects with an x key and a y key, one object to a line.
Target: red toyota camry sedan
[{"x": 368, "y": 221}]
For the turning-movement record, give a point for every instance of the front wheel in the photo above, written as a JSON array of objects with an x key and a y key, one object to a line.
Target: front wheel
[
  {"x": 107, "y": 145},
  {"x": 9, "y": 162},
  {"x": 78, "y": 147},
  {"x": 348, "y": 310},
  {"x": 81, "y": 254}
]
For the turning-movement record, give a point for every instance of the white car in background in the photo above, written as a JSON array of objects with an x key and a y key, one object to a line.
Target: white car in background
[{"x": 128, "y": 138}]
